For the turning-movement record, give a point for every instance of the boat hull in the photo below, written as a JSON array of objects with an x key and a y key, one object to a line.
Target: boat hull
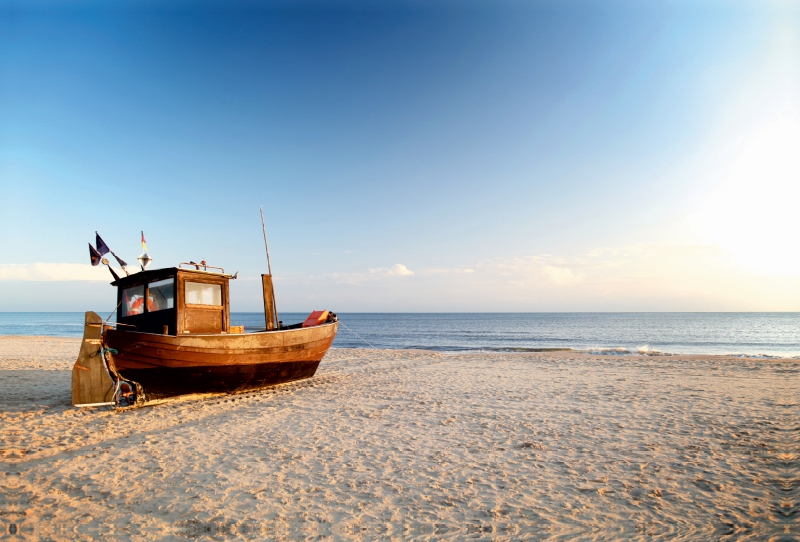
[{"x": 166, "y": 365}]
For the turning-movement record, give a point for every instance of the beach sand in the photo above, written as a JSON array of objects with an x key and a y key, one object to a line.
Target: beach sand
[{"x": 389, "y": 444}]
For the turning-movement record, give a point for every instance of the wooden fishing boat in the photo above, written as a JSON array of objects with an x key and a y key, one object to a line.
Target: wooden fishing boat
[{"x": 173, "y": 336}]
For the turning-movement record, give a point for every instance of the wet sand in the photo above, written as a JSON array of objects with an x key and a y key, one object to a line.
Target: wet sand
[{"x": 387, "y": 444}]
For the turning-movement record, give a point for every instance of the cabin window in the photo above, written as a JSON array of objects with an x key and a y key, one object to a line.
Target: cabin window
[
  {"x": 198, "y": 293},
  {"x": 132, "y": 301},
  {"x": 161, "y": 295}
]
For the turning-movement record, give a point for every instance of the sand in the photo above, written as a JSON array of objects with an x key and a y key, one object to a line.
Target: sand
[{"x": 385, "y": 444}]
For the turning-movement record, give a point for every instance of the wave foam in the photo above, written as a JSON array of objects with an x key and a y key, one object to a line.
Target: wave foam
[{"x": 620, "y": 351}]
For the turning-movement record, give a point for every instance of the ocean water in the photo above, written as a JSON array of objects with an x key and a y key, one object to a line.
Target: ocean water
[{"x": 746, "y": 334}]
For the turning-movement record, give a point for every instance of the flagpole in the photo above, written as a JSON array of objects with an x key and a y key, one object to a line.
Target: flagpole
[{"x": 145, "y": 258}]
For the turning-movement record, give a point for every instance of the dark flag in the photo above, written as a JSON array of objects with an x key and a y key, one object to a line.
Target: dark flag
[
  {"x": 94, "y": 255},
  {"x": 121, "y": 261},
  {"x": 102, "y": 247}
]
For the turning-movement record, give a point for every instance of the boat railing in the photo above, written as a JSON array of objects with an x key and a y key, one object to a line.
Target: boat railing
[{"x": 202, "y": 264}]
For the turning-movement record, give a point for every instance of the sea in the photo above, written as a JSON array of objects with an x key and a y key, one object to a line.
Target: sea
[{"x": 747, "y": 334}]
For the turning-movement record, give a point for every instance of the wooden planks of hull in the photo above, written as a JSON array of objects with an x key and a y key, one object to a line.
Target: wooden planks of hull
[
  {"x": 167, "y": 365},
  {"x": 164, "y": 382}
]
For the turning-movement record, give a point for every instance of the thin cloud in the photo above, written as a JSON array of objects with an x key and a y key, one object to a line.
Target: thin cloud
[
  {"x": 397, "y": 269},
  {"x": 400, "y": 269},
  {"x": 42, "y": 272}
]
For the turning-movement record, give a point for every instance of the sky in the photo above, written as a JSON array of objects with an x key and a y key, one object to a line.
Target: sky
[{"x": 409, "y": 156}]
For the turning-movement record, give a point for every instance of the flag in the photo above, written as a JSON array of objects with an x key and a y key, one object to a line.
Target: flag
[
  {"x": 122, "y": 263},
  {"x": 102, "y": 247},
  {"x": 144, "y": 245},
  {"x": 94, "y": 255}
]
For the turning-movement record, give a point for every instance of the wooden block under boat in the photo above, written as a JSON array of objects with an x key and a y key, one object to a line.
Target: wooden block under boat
[{"x": 91, "y": 383}]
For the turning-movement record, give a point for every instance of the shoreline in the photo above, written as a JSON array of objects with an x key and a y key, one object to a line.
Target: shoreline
[{"x": 583, "y": 353}]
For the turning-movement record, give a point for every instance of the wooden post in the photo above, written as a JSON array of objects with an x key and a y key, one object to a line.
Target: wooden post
[
  {"x": 91, "y": 383},
  {"x": 270, "y": 311}
]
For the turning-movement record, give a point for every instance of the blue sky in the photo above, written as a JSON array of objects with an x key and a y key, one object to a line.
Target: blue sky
[{"x": 409, "y": 157}]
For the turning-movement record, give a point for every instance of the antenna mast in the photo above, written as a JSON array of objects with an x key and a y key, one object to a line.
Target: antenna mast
[{"x": 264, "y": 229}]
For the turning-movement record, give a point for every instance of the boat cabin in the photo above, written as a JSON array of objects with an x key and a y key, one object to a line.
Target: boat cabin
[{"x": 174, "y": 301}]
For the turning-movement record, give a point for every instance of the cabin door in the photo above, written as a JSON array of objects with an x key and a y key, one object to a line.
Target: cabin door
[{"x": 203, "y": 308}]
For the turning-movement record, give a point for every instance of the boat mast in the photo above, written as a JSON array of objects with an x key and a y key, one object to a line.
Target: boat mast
[
  {"x": 270, "y": 307},
  {"x": 264, "y": 229}
]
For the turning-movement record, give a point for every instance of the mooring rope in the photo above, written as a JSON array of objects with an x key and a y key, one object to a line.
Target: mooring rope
[
  {"x": 112, "y": 312},
  {"x": 357, "y": 335},
  {"x": 102, "y": 352}
]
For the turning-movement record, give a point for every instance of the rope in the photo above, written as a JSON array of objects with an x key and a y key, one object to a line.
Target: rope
[
  {"x": 117, "y": 385},
  {"x": 139, "y": 392},
  {"x": 103, "y": 352},
  {"x": 112, "y": 312},
  {"x": 357, "y": 335}
]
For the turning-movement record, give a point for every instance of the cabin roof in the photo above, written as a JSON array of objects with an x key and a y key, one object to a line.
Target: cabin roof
[{"x": 158, "y": 274}]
